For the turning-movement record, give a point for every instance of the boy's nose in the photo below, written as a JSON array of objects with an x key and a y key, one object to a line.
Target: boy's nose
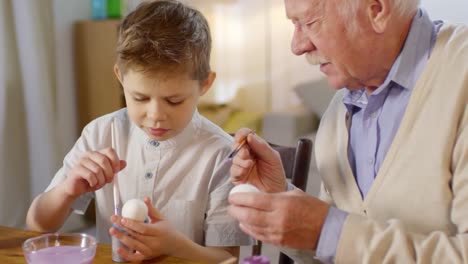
[{"x": 156, "y": 113}]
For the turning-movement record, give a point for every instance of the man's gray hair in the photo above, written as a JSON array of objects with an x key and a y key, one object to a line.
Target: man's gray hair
[
  {"x": 403, "y": 8},
  {"x": 406, "y": 7}
]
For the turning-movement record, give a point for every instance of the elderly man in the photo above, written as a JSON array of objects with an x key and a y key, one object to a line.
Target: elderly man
[{"x": 392, "y": 148}]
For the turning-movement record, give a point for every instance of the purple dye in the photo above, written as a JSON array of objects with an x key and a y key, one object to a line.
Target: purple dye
[
  {"x": 256, "y": 260},
  {"x": 61, "y": 255}
]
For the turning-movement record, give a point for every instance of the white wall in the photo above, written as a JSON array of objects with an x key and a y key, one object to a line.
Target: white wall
[
  {"x": 251, "y": 51},
  {"x": 262, "y": 62},
  {"x": 66, "y": 13},
  {"x": 239, "y": 55},
  {"x": 448, "y": 10},
  {"x": 287, "y": 69}
]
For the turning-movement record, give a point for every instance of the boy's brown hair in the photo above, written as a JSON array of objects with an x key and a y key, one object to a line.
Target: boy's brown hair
[{"x": 165, "y": 35}]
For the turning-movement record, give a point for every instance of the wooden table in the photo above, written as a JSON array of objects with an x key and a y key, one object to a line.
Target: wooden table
[{"x": 11, "y": 240}]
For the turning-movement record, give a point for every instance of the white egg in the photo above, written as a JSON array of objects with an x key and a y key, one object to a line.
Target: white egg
[
  {"x": 244, "y": 187},
  {"x": 135, "y": 209}
]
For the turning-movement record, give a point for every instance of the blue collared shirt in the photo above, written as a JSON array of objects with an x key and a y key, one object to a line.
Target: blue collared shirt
[{"x": 375, "y": 119}]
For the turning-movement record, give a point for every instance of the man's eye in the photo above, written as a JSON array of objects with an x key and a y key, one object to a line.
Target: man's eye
[{"x": 311, "y": 23}]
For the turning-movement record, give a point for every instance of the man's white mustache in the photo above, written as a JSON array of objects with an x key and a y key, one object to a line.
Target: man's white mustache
[{"x": 314, "y": 59}]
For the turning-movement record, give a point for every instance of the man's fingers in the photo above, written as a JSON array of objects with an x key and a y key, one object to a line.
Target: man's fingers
[
  {"x": 261, "y": 149},
  {"x": 256, "y": 200},
  {"x": 249, "y": 216},
  {"x": 240, "y": 173},
  {"x": 260, "y": 236},
  {"x": 264, "y": 235},
  {"x": 242, "y": 165},
  {"x": 242, "y": 162},
  {"x": 241, "y": 134}
]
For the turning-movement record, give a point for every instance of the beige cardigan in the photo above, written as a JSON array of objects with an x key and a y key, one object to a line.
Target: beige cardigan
[{"x": 417, "y": 208}]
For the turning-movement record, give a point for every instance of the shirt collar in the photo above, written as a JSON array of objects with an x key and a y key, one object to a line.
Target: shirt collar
[
  {"x": 408, "y": 65},
  {"x": 416, "y": 51},
  {"x": 186, "y": 135}
]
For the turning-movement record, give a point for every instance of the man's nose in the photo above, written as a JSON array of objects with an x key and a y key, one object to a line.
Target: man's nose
[{"x": 300, "y": 43}]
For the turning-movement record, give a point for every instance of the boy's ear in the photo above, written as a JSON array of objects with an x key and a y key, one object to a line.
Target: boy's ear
[
  {"x": 208, "y": 82},
  {"x": 117, "y": 73}
]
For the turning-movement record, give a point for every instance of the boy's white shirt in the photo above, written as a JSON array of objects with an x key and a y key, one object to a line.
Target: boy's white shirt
[{"x": 176, "y": 174}]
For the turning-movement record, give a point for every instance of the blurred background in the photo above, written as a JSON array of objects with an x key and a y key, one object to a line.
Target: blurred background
[{"x": 56, "y": 59}]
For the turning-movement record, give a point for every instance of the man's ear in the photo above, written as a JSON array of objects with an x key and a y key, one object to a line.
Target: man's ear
[
  {"x": 208, "y": 82},
  {"x": 379, "y": 13},
  {"x": 118, "y": 74}
]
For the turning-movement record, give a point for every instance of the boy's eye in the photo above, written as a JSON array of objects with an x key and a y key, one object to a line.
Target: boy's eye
[
  {"x": 175, "y": 102},
  {"x": 140, "y": 99}
]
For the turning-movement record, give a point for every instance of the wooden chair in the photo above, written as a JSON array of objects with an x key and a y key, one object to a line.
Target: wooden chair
[{"x": 296, "y": 161}]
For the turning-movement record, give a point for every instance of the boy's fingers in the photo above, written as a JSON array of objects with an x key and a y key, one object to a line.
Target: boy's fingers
[
  {"x": 135, "y": 227},
  {"x": 133, "y": 257},
  {"x": 114, "y": 218},
  {"x": 153, "y": 214},
  {"x": 122, "y": 164},
  {"x": 101, "y": 179},
  {"x": 113, "y": 159},
  {"x": 87, "y": 175},
  {"x": 129, "y": 240},
  {"x": 103, "y": 161},
  {"x": 94, "y": 172}
]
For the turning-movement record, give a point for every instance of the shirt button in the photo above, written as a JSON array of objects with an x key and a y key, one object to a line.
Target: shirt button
[
  {"x": 149, "y": 175},
  {"x": 371, "y": 161},
  {"x": 154, "y": 143}
]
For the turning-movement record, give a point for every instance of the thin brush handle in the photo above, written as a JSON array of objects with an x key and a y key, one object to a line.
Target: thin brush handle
[
  {"x": 238, "y": 148},
  {"x": 115, "y": 183},
  {"x": 116, "y": 243}
]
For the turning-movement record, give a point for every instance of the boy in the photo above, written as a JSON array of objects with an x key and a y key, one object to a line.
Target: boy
[{"x": 164, "y": 149}]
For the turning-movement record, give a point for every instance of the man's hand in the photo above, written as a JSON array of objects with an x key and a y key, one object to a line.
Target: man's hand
[
  {"x": 292, "y": 219},
  {"x": 258, "y": 164}
]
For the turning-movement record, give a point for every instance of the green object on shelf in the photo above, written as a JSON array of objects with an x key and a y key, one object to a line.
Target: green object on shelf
[{"x": 114, "y": 8}]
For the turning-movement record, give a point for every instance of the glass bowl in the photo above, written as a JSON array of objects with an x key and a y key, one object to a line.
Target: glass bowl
[{"x": 69, "y": 248}]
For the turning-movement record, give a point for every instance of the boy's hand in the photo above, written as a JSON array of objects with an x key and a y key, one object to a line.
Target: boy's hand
[
  {"x": 93, "y": 171},
  {"x": 148, "y": 240}
]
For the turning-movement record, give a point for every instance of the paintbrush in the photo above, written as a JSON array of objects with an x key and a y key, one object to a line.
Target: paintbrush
[
  {"x": 115, "y": 184},
  {"x": 226, "y": 164},
  {"x": 117, "y": 202}
]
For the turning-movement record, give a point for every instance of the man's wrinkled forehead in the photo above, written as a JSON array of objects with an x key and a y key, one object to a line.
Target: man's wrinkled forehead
[{"x": 298, "y": 9}]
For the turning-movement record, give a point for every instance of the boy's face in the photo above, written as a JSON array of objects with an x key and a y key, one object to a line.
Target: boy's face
[{"x": 162, "y": 104}]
